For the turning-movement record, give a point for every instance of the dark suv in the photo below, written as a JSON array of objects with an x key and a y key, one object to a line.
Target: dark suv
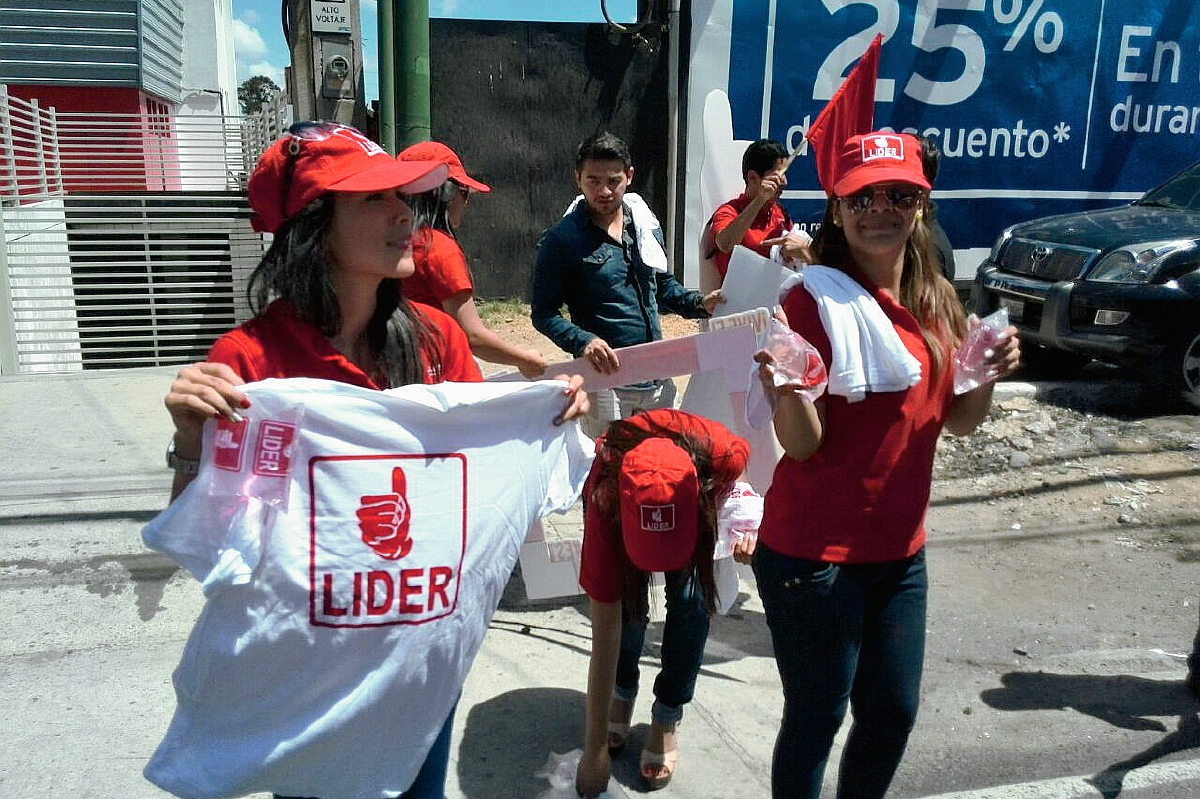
[{"x": 1120, "y": 285}]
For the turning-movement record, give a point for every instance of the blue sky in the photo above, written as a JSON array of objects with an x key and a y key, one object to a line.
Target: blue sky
[{"x": 260, "y": 49}]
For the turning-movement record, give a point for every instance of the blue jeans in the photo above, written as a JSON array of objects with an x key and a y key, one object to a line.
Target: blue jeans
[
  {"x": 843, "y": 634},
  {"x": 431, "y": 779},
  {"x": 684, "y": 634}
]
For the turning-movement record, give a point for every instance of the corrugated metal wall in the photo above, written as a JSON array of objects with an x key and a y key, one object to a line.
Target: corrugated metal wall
[
  {"x": 161, "y": 34},
  {"x": 127, "y": 43},
  {"x": 515, "y": 99},
  {"x": 96, "y": 275}
]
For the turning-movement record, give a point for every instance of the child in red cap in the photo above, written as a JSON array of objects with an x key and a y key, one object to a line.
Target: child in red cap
[
  {"x": 327, "y": 302},
  {"x": 650, "y": 506},
  {"x": 441, "y": 277}
]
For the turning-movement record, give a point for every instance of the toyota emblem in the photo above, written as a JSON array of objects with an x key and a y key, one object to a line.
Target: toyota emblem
[{"x": 1039, "y": 256}]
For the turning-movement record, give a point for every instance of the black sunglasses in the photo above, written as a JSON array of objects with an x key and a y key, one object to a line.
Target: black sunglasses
[{"x": 901, "y": 197}]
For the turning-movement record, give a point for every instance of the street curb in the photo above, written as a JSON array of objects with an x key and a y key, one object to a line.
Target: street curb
[{"x": 1090, "y": 393}]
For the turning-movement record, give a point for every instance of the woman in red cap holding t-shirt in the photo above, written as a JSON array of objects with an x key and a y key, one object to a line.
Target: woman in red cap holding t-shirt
[
  {"x": 840, "y": 562},
  {"x": 327, "y": 303},
  {"x": 441, "y": 277},
  {"x": 650, "y": 505}
]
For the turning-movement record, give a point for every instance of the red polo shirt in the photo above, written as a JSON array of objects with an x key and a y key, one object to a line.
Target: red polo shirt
[
  {"x": 603, "y": 551},
  {"x": 862, "y": 497},
  {"x": 441, "y": 271},
  {"x": 277, "y": 344},
  {"x": 771, "y": 222}
]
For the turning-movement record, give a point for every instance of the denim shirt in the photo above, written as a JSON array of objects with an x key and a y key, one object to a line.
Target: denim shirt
[{"x": 607, "y": 288}]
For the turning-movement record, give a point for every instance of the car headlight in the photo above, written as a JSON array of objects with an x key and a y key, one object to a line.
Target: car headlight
[
  {"x": 1137, "y": 263},
  {"x": 998, "y": 247}
]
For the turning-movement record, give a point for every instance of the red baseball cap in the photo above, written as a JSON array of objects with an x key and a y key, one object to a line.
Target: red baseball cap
[
  {"x": 659, "y": 498},
  {"x": 879, "y": 157},
  {"x": 436, "y": 151},
  {"x": 314, "y": 158}
]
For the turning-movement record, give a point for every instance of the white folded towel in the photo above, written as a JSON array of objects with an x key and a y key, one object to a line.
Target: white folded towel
[
  {"x": 867, "y": 352},
  {"x": 644, "y": 225}
]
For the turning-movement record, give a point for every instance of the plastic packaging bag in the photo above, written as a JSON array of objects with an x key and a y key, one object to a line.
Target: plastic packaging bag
[
  {"x": 971, "y": 368},
  {"x": 738, "y": 517},
  {"x": 797, "y": 363},
  {"x": 560, "y": 770}
]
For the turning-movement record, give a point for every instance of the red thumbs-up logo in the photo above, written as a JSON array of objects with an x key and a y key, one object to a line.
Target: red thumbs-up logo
[{"x": 384, "y": 519}]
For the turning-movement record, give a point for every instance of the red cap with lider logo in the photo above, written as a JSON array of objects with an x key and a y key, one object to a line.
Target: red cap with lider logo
[
  {"x": 436, "y": 151},
  {"x": 314, "y": 158},
  {"x": 879, "y": 157},
  {"x": 659, "y": 499}
]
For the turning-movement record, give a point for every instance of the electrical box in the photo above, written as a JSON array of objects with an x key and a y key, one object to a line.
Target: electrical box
[{"x": 337, "y": 68}]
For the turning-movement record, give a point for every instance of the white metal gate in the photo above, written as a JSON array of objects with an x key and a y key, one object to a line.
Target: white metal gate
[{"x": 126, "y": 237}]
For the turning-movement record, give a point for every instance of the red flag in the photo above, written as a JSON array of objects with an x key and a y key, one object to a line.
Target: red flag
[{"x": 851, "y": 111}]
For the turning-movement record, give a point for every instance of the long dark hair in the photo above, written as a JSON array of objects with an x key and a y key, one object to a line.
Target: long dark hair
[
  {"x": 924, "y": 290},
  {"x": 622, "y": 436},
  {"x": 432, "y": 208},
  {"x": 298, "y": 268}
]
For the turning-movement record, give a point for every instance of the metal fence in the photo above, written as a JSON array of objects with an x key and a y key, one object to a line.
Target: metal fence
[{"x": 126, "y": 237}]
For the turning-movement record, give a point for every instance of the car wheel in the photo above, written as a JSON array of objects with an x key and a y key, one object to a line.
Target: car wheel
[
  {"x": 1181, "y": 369},
  {"x": 1044, "y": 362}
]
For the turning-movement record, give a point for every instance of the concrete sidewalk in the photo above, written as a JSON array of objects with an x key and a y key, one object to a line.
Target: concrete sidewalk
[
  {"x": 96, "y": 625},
  {"x": 83, "y": 459}
]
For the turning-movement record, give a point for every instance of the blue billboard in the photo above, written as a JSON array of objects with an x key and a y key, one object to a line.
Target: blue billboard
[{"x": 1038, "y": 106}]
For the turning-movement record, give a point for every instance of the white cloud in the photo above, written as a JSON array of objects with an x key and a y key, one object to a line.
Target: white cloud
[
  {"x": 264, "y": 68},
  {"x": 248, "y": 43}
]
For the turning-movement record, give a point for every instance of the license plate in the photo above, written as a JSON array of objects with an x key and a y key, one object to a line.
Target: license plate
[{"x": 1015, "y": 308}]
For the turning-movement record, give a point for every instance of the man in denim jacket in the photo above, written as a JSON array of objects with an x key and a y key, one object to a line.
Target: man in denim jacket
[{"x": 605, "y": 261}]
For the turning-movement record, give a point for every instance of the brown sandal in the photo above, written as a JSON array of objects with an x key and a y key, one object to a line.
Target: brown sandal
[{"x": 657, "y": 768}]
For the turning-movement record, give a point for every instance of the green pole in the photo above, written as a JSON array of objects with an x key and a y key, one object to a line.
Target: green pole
[
  {"x": 387, "y": 77},
  {"x": 411, "y": 71}
]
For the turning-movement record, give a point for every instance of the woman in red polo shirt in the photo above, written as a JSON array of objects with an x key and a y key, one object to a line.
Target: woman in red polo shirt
[
  {"x": 651, "y": 506},
  {"x": 441, "y": 277},
  {"x": 327, "y": 303},
  {"x": 840, "y": 562}
]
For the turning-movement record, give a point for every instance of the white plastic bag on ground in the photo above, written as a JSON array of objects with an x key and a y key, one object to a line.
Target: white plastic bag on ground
[{"x": 560, "y": 770}]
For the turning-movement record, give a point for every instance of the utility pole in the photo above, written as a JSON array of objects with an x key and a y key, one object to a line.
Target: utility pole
[
  {"x": 325, "y": 80},
  {"x": 403, "y": 73}
]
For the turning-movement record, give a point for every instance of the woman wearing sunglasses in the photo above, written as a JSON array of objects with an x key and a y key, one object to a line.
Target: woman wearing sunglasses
[
  {"x": 442, "y": 278},
  {"x": 840, "y": 561},
  {"x": 328, "y": 304}
]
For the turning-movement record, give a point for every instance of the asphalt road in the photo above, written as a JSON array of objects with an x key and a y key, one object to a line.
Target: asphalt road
[{"x": 1053, "y": 668}]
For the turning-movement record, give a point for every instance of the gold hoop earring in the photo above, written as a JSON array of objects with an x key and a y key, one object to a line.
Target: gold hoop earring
[
  {"x": 837, "y": 221},
  {"x": 920, "y": 214}
]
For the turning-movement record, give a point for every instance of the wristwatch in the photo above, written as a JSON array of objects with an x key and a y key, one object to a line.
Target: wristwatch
[{"x": 181, "y": 465}]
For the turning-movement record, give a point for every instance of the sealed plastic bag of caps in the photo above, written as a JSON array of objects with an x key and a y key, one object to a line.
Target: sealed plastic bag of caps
[
  {"x": 971, "y": 368},
  {"x": 797, "y": 363},
  {"x": 738, "y": 517}
]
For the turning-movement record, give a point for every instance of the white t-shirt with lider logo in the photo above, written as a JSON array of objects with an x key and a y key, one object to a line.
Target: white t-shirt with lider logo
[{"x": 352, "y": 545}]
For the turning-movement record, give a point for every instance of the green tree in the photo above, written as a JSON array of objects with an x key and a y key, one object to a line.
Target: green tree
[{"x": 255, "y": 92}]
